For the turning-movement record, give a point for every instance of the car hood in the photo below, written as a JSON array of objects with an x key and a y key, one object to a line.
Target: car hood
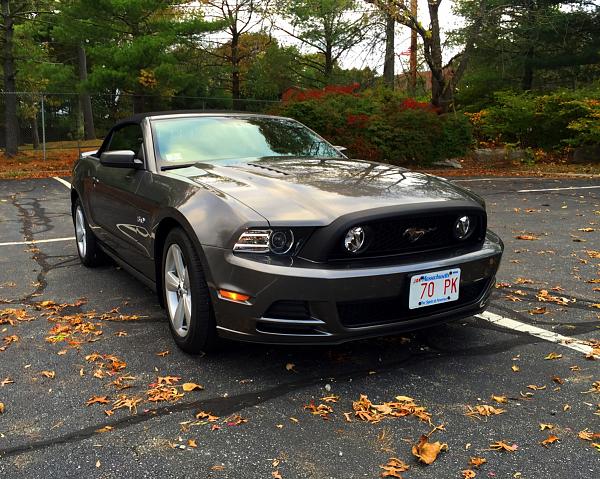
[{"x": 300, "y": 191}]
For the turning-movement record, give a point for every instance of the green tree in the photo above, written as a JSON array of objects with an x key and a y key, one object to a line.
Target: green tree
[
  {"x": 329, "y": 27},
  {"x": 130, "y": 44},
  {"x": 529, "y": 44},
  {"x": 12, "y": 14}
]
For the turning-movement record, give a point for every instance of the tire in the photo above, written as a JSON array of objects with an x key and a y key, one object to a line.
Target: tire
[
  {"x": 87, "y": 245},
  {"x": 193, "y": 326}
]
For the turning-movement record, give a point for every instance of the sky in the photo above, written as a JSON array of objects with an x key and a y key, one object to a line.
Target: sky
[
  {"x": 359, "y": 57},
  {"x": 362, "y": 56}
]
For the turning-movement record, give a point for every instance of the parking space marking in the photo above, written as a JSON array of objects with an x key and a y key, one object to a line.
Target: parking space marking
[
  {"x": 560, "y": 189},
  {"x": 544, "y": 334},
  {"x": 53, "y": 240},
  {"x": 494, "y": 179},
  {"x": 60, "y": 180}
]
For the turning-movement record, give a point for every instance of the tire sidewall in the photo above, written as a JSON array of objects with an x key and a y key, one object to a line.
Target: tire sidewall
[
  {"x": 90, "y": 244},
  {"x": 201, "y": 329}
]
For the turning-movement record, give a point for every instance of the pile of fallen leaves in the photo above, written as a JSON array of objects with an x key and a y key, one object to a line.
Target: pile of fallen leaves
[{"x": 365, "y": 410}]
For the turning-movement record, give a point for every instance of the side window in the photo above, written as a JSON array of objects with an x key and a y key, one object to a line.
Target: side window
[{"x": 128, "y": 138}]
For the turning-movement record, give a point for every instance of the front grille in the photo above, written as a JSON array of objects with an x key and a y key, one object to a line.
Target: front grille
[
  {"x": 354, "y": 314},
  {"x": 387, "y": 237}
]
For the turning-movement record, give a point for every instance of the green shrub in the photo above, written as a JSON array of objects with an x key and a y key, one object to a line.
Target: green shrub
[
  {"x": 550, "y": 121},
  {"x": 383, "y": 125}
]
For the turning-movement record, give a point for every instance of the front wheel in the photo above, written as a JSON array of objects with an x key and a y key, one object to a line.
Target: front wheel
[
  {"x": 87, "y": 246},
  {"x": 186, "y": 295}
]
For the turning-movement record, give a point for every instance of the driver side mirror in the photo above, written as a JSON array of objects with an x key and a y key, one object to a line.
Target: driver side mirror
[{"x": 121, "y": 159}]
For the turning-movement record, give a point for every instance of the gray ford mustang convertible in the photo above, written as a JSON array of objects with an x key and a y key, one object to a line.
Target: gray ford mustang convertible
[{"x": 252, "y": 227}]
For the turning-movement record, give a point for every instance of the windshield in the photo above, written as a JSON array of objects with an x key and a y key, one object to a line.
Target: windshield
[{"x": 217, "y": 139}]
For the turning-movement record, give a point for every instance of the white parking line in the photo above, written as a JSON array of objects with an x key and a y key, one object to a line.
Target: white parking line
[
  {"x": 560, "y": 189},
  {"x": 544, "y": 334},
  {"x": 53, "y": 240},
  {"x": 64, "y": 182},
  {"x": 495, "y": 179}
]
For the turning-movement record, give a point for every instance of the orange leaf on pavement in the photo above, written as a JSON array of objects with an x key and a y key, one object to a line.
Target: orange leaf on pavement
[{"x": 426, "y": 451}]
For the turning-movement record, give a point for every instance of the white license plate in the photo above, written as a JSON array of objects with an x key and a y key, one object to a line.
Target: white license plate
[{"x": 437, "y": 287}]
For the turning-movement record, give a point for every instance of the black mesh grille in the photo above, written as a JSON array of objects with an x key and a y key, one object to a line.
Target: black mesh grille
[
  {"x": 292, "y": 310},
  {"x": 355, "y": 314},
  {"x": 392, "y": 236}
]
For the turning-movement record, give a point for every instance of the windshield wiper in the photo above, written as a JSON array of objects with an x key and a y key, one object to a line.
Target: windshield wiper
[{"x": 174, "y": 167}]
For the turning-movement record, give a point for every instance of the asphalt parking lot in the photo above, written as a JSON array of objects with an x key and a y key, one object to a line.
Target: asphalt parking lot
[{"x": 54, "y": 359}]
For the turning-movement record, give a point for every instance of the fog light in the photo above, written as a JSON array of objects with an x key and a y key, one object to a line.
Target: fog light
[
  {"x": 233, "y": 296},
  {"x": 355, "y": 239},
  {"x": 462, "y": 228}
]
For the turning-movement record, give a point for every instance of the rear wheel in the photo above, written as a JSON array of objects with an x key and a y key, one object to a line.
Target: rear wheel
[
  {"x": 186, "y": 295},
  {"x": 87, "y": 246}
]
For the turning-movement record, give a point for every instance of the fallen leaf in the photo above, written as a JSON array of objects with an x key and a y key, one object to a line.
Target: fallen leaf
[
  {"x": 515, "y": 368},
  {"x": 551, "y": 439},
  {"x": 543, "y": 426},
  {"x": 468, "y": 474},
  {"x": 331, "y": 398},
  {"x": 477, "y": 461},
  {"x": 426, "y": 451},
  {"x": 290, "y": 367},
  {"x": 97, "y": 400},
  {"x": 500, "y": 399},
  {"x": 538, "y": 310},
  {"x": 48, "y": 374},
  {"x": 206, "y": 415},
  {"x": 104, "y": 429},
  {"x": 192, "y": 443},
  {"x": 553, "y": 356},
  {"x": 98, "y": 463},
  {"x": 557, "y": 380},
  {"x": 483, "y": 410},
  {"x": 2, "y": 408},
  {"x": 586, "y": 230},
  {"x": 6, "y": 381},
  {"x": 167, "y": 379},
  {"x": 527, "y": 237},
  {"x": 187, "y": 387},
  {"x": 503, "y": 446},
  {"x": 533, "y": 387},
  {"x": 322, "y": 410},
  {"x": 276, "y": 475},
  {"x": 162, "y": 354},
  {"x": 393, "y": 468},
  {"x": 217, "y": 467},
  {"x": 587, "y": 435}
]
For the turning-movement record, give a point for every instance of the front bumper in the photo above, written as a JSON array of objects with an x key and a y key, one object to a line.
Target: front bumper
[{"x": 313, "y": 303}]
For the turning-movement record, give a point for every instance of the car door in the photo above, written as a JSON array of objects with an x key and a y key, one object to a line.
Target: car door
[{"x": 115, "y": 207}]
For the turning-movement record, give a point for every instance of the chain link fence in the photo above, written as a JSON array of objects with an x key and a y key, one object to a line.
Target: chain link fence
[{"x": 50, "y": 122}]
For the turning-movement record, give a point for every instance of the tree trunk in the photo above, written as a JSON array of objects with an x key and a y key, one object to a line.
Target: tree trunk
[
  {"x": 85, "y": 100},
  {"x": 11, "y": 122},
  {"x": 138, "y": 103},
  {"x": 235, "y": 71},
  {"x": 389, "y": 62},
  {"x": 35, "y": 134},
  {"x": 438, "y": 82},
  {"x": 328, "y": 71}
]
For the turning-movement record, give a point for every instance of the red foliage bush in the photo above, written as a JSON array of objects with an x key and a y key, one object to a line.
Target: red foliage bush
[{"x": 295, "y": 94}]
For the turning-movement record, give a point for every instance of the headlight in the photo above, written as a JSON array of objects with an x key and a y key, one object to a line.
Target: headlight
[
  {"x": 265, "y": 241},
  {"x": 253, "y": 241}
]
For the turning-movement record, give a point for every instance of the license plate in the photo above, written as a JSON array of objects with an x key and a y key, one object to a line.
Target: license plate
[{"x": 437, "y": 287}]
